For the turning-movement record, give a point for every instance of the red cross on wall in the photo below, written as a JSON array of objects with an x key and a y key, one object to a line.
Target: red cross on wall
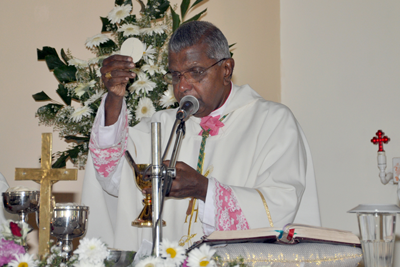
[{"x": 380, "y": 140}]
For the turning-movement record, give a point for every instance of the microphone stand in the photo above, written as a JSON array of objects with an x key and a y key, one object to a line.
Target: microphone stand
[
  {"x": 156, "y": 175},
  {"x": 171, "y": 171},
  {"x": 159, "y": 191}
]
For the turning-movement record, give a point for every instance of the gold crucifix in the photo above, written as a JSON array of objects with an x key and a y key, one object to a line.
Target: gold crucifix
[{"x": 46, "y": 177}]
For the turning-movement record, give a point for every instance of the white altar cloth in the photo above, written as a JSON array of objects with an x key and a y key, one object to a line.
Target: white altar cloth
[{"x": 298, "y": 255}]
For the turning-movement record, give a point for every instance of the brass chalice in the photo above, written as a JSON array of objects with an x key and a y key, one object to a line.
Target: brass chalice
[{"x": 143, "y": 181}]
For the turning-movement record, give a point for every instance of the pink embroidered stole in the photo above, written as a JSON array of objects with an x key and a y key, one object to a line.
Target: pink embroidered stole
[{"x": 106, "y": 160}]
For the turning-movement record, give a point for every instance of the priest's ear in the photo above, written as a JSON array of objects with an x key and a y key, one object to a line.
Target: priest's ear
[{"x": 228, "y": 65}]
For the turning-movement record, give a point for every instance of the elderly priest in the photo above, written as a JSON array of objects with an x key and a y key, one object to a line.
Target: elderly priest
[{"x": 254, "y": 171}]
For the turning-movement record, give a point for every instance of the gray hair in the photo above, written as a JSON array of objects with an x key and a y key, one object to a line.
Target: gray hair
[{"x": 198, "y": 32}]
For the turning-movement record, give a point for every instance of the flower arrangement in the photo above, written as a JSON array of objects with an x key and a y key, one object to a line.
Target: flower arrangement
[
  {"x": 14, "y": 240},
  {"x": 16, "y": 231},
  {"x": 92, "y": 252},
  {"x": 81, "y": 89}
]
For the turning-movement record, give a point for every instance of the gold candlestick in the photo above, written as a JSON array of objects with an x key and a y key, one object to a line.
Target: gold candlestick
[{"x": 46, "y": 177}]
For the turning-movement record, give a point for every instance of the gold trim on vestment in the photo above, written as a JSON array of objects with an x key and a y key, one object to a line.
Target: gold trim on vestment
[
  {"x": 266, "y": 208},
  {"x": 187, "y": 238},
  {"x": 299, "y": 259}
]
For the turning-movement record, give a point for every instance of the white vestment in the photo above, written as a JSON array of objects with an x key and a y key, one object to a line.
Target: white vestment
[{"x": 260, "y": 150}]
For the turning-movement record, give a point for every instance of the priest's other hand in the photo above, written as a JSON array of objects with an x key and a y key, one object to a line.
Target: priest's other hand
[
  {"x": 115, "y": 74},
  {"x": 187, "y": 183}
]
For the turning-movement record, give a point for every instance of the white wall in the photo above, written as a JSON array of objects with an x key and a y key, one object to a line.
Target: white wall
[
  {"x": 27, "y": 25},
  {"x": 341, "y": 77}
]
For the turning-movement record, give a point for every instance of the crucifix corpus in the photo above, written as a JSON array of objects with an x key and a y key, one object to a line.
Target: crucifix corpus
[{"x": 46, "y": 177}]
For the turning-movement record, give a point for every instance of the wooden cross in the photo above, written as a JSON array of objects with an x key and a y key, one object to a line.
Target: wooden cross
[
  {"x": 46, "y": 177},
  {"x": 380, "y": 140}
]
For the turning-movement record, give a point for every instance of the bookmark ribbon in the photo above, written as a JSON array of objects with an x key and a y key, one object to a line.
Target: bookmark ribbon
[{"x": 286, "y": 236}]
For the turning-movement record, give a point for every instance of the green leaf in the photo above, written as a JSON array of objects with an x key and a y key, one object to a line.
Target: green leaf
[
  {"x": 163, "y": 8},
  {"x": 230, "y": 47},
  {"x": 61, "y": 162},
  {"x": 65, "y": 74},
  {"x": 184, "y": 7},
  {"x": 51, "y": 108},
  {"x": 155, "y": 8},
  {"x": 53, "y": 61},
  {"x": 63, "y": 93},
  {"x": 175, "y": 20},
  {"x": 46, "y": 50},
  {"x": 109, "y": 44},
  {"x": 63, "y": 157},
  {"x": 196, "y": 3},
  {"x": 107, "y": 26},
  {"x": 196, "y": 17},
  {"x": 123, "y": 2},
  {"x": 76, "y": 139},
  {"x": 42, "y": 96},
  {"x": 64, "y": 56}
]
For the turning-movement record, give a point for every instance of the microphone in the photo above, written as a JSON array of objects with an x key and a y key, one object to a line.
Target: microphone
[{"x": 188, "y": 106}]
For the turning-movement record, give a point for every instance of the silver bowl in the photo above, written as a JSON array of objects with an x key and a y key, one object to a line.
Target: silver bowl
[
  {"x": 120, "y": 258},
  {"x": 21, "y": 202},
  {"x": 68, "y": 222}
]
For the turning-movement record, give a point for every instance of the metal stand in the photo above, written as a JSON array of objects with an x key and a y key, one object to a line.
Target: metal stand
[
  {"x": 156, "y": 185},
  {"x": 160, "y": 190}
]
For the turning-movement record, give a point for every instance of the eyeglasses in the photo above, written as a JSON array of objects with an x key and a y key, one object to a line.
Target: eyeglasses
[{"x": 192, "y": 76}]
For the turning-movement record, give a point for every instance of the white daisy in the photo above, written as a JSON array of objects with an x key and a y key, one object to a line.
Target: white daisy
[
  {"x": 50, "y": 259},
  {"x": 56, "y": 250},
  {"x": 79, "y": 113},
  {"x": 98, "y": 73},
  {"x": 94, "y": 97},
  {"x": 149, "y": 262},
  {"x": 79, "y": 63},
  {"x": 23, "y": 260},
  {"x": 119, "y": 13},
  {"x": 25, "y": 229},
  {"x": 201, "y": 257},
  {"x": 95, "y": 60},
  {"x": 137, "y": 71},
  {"x": 174, "y": 253},
  {"x": 92, "y": 251},
  {"x": 87, "y": 264},
  {"x": 148, "y": 52},
  {"x": 6, "y": 231},
  {"x": 142, "y": 84},
  {"x": 96, "y": 40},
  {"x": 151, "y": 68},
  {"x": 145, "y": 108},
  {"x": 158, "y": 29},
  {"x": 168, "y": 99},
  {"x": 129, "y": 29},
  {"x": 84, "y": 87},
  {"x": 71, "y": 85},
  {"x": 161, "y": 68}
]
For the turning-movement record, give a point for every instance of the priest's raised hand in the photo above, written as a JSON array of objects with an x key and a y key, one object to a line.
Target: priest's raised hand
[{"x": 115, "y": 74}]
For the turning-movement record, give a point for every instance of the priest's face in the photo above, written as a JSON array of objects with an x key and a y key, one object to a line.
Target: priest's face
[{"x": 211, "y": 88}]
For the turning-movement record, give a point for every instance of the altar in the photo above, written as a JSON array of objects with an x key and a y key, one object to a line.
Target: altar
[{"x": 301, "y": 255}]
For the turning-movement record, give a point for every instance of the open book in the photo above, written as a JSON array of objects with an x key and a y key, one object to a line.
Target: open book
[{"x": 290, "y": 234}]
